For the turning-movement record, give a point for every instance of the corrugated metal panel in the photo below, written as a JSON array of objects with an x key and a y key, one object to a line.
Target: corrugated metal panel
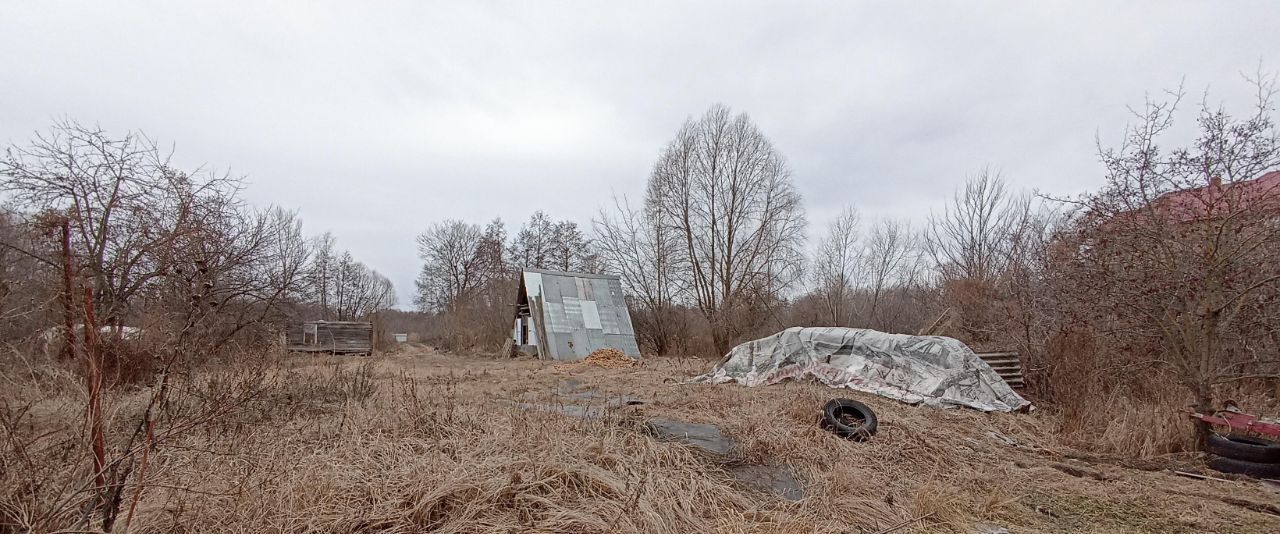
[
  {"x": 533, "y": 284},
  {"x": 581, "y": 345},
  {"x": 615, "y": 291},
  {"x": 581, "y": 313},
  {"x": 573, "y": 314},
  {"x": 561, "y": 348},
  {"x": 1006, "y": 364},
  {"x": 568, "y": 286},
  {"x": 626, "y": 344},
  {"x": 595, "y": 340},
  {"x": 600, "y": 292},
  {"x": 609, "y": 321},
  {"x": 624, "y": 320},
  {"x": 590, "y": 315},
  {"x": 557, "y": 322},
  {"x": 551, "y": 290}
]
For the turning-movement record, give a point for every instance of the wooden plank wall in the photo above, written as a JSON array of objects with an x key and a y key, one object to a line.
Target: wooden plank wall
[{"x": 335, "y": 337}]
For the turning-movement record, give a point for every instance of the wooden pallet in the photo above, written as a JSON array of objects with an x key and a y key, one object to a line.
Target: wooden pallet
[{"x": 1006, "y": 364}]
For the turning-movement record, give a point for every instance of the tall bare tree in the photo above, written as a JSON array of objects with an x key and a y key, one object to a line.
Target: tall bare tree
[
  {"x": 322, "y": 271},
  {"x": 544, "y": 243},
  {"x": 643, "y": 254},
  {"x": 970, "y": 239},
  {"x": 890, "y": 260},
  {"x": 836, "y": 267},
  {"x": 570, "y": 249},
  {"x": 358, "y": 290},
  {"x": 451, "y": 267},
  {"x": 533, "y": 244},
  {"x": 491, "y": 251},
  {"x": 726, "y": 192}
]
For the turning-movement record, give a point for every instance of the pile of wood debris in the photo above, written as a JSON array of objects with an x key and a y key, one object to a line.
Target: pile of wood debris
[{"x": 609, "y": 358}]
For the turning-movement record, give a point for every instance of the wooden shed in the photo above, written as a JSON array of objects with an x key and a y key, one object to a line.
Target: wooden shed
[{"x": 334, "y": 337}]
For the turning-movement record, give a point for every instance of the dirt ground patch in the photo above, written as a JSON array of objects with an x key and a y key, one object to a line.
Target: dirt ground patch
[{"x": 456, "y": 443}]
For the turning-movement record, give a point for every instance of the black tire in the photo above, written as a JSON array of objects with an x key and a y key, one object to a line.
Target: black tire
[
  {"x": 849, "y": 419},
  {"x": 1241, "y": 467},
  {"x": 1243, "y": 448}
]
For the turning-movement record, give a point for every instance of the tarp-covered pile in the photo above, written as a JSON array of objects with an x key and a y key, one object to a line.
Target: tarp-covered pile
[{"x": 933, "y": 370}]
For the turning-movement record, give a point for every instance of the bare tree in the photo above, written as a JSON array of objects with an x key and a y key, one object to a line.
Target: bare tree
[
  {"x": 491, "y": 251},
  {"x": 726, "y": 192},
  {"x": 1033, "y": 307},
  {"x": 28, "y": 291},
  {"x": 156, "y": 246},
  {"x": 359, "y": 290},
  {"x": 544, "y": 243},
  {"x": 322, "y": 270},
  {"x": 126, "y": 204},
  {"x": 141, "y": 242},
  {"x": 532, "y": 246},
  {"x": 889, "y": 262},
  {"x": 568, "y": 247},
  {"x": 868, "y": 282},
  {"x": 234, "y": 271},
  {"x": 451, "y": 268},
  {"x": 970, "y": 239},
  {"x": 836, "y": 267},
  {"x": 643, "y": 255},
  {"x": 1178, "y": 252},
  {"x": 969, "y": 246}
]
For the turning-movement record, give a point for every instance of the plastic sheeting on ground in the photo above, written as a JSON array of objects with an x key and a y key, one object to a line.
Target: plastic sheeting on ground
[{"x": 932, "y": 370}]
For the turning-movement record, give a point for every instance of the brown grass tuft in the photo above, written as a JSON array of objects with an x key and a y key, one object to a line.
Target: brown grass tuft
[{"x": 418, "y": 442}]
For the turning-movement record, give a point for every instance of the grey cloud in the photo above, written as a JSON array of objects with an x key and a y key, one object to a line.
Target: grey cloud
[{"x": 375, "y": 120}]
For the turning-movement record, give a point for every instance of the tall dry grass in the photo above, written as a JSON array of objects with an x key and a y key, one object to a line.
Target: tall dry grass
[
  {"x": 439, "y": 443},
  {"x": 1112, "y": 399}
]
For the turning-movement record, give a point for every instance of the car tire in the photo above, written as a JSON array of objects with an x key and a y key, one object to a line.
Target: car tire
[
  {"x": 849, "y": 419},
  {"x": 1241, "y": 467},
  {"x": 1243, "y": 448}
]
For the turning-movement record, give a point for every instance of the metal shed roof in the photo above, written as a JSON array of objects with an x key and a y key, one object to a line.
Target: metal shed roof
[{"x": 577, "y": 313}]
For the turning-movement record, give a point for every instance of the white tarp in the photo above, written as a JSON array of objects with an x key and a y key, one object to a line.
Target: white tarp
[{"x": 933, "y": 370}]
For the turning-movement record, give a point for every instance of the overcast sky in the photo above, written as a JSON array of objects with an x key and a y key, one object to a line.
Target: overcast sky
[{"x": 375, "y": 119}]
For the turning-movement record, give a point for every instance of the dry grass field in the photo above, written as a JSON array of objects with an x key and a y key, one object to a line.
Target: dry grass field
[{"x": 421, "y": 441}]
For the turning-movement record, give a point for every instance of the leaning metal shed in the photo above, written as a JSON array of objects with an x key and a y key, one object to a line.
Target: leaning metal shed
[{"x": 569, "y": 315}]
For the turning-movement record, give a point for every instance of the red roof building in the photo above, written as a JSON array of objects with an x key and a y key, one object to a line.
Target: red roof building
[{"x": 1218, "y": 200}]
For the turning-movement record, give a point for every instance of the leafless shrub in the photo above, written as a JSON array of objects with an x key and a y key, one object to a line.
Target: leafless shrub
[{"x": 1176, "y": 255}]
